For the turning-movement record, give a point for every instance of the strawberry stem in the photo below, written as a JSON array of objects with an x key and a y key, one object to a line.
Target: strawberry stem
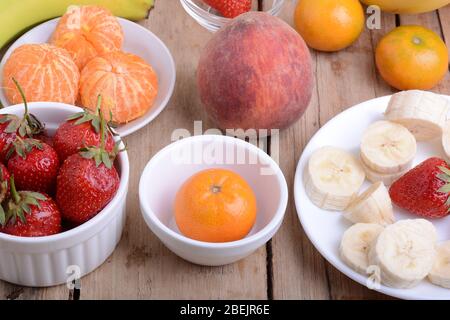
[
  {"x": 14, "y": 192},
  {"x": 102, "y": 122},
  {"x": 24, "y": 99}
]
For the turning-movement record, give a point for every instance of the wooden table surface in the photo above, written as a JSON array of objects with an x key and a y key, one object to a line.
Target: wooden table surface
[{"x": 288, "y": 267}]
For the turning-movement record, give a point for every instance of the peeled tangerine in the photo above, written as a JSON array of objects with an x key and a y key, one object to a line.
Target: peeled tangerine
[
  {"x": 45, "y": 73},
  {"x": 127, "y": 83},
  {"x": 86, "y": 32}
]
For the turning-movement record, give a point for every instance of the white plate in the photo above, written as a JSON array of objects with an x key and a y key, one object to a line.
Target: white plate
[
  {"x": 325, "y": 228},
  {"x": 137, "y": 40}
]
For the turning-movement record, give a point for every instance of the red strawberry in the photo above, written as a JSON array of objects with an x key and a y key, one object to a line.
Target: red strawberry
[
  {"x": 424, "y": 190},
  {"x": 4, "y": 182},
  {"x": 11, "y": 126},
  {"x": 87, "y": 181},
  {"x": 81, "y": 130},
  {"x": 34, "y": 165},
  {"x": 44, "y": 137},
  {"x": 230, "y": 8},
  {"x": 30, "y": 214}
]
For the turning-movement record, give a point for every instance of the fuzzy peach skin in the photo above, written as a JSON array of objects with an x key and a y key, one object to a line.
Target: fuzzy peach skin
[{"x": 255, "y": 72}]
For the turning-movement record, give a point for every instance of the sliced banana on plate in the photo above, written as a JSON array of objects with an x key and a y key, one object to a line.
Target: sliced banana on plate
[
  {"x": 386, "y": 178},
  {"x": 404, "y": 252},
  {"x": 440, "y": 274},
  {"x": 387, "y": 147},
  {"x": 356, "y": 243},
  {"x": 372, "y": 206},
  {"x": 333, "y": 178},
  {"x": 423, "y": 113}
]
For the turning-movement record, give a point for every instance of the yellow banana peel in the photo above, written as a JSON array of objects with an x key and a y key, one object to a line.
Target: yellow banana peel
[
  {"x": 407, "y": 6},
  {"x": 18, "y": 15}
]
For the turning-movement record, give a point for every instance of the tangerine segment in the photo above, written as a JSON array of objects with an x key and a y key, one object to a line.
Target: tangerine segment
[
  {"x": 86, "y": 32},
  {"x": 45, "y": 73},
  {"x": 127, "y": 83},
  {"x": 215, "y": 205}
]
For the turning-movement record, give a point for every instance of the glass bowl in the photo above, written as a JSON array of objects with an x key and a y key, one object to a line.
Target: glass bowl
[{"x": 213, "y": 21}]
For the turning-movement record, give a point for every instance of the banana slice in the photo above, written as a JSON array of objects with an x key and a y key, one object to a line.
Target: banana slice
[
  {"x": 333, "y": 178},
  {"x": 372, "y": 206},
  {"x": 355, "y": 245},
  {"x": 404, "y": 252},
  {"x": 387, "y": 147},
  {"x": 386, "y": 178},
  {"x": 440, "y": 274},
  {"x": 423, "y": 113}
]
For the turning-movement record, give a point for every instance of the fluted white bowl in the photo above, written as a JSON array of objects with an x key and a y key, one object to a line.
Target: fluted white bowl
[{"x": 45, "y": 261}]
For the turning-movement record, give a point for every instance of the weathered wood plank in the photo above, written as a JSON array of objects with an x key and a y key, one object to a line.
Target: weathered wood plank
[
  {"x": 298, "y": 269},
  {"x": 142, "y": 267},
  {"x": 444, "y": 19},
  {"x": 342, "y": 80}
]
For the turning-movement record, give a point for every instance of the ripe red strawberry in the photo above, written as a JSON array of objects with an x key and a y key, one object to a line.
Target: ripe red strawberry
[
  {"x": 34, "y": 165},
  {"x": 4, "y": 182},
  {"x": 230, "y": 8},
  {"x": 84, "y": 188},
  {"x": 424, "y": 190},
  {"x": 80, "y": 130},
  {"x": 87, "y": 180},
  {"x": 29, "y": 214},
  {"x": 44, "y": 137},
  {"x": 12, "y": 125}
]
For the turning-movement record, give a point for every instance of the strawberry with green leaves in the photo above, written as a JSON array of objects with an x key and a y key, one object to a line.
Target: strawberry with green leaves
[
  {"x": 29, "y": 214},
  {"x": 11, "y": 126},
  {"x": 87, "y": 180},
  {"x": 230, "y": 8},
  {"x": 4, "y": 182},
  {"x": 424, "y": 190},
  {"x": 34, "y": 165},
  {"x": 80, "y": 130}
]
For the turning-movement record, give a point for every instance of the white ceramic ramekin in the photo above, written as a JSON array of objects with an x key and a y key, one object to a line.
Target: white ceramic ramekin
[
  {"x": 170, "y": 167},
  {"x": 44, "y": 261}
]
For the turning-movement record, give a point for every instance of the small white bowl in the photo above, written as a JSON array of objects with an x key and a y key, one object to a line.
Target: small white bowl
[
  {"x": 137, "y": 40},
  {"x": 44, "y": 261},
  {"x": 173, "y": 165}
]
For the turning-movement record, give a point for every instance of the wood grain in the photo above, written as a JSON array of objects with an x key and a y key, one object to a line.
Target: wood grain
[
  {"x": 289, "y": 267},
  {"x": 142, "y": 267}
]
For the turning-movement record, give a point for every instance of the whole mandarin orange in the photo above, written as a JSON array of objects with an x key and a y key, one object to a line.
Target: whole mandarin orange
[
  {"x": 215, "y": 205},
  {"x": 329, "y": 25},
  {"x": 412, "y": 57}
]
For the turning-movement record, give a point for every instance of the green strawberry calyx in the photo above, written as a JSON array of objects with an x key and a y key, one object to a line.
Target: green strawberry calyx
[
  {"x": 445, "y": 177},
  {"x": 100, "y": 154},
  {"x": 19, "y": 204},
  {"x": 95, "y": 120},
  {"x": 22, "y": 147},
  {"x": 28, "y": 125}
]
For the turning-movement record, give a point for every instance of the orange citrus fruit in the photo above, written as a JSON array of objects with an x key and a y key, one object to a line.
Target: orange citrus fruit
[
  {"x": 215, "y": 205},
  {"x": 412, "y": 57},
  {"x": 127, "y": 83},
  {"x": 45, "y": 73},
  {"x": 329, "y": 25},
  {"x": 86, "y": 32}
]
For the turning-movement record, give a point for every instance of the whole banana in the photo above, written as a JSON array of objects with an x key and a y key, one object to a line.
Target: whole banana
[
  {"x": 17, "y": 16},
  {"x": 407, "y": 6}
]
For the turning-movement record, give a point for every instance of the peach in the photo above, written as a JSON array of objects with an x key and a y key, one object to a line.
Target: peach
[{"x": 255, "y": 73}]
